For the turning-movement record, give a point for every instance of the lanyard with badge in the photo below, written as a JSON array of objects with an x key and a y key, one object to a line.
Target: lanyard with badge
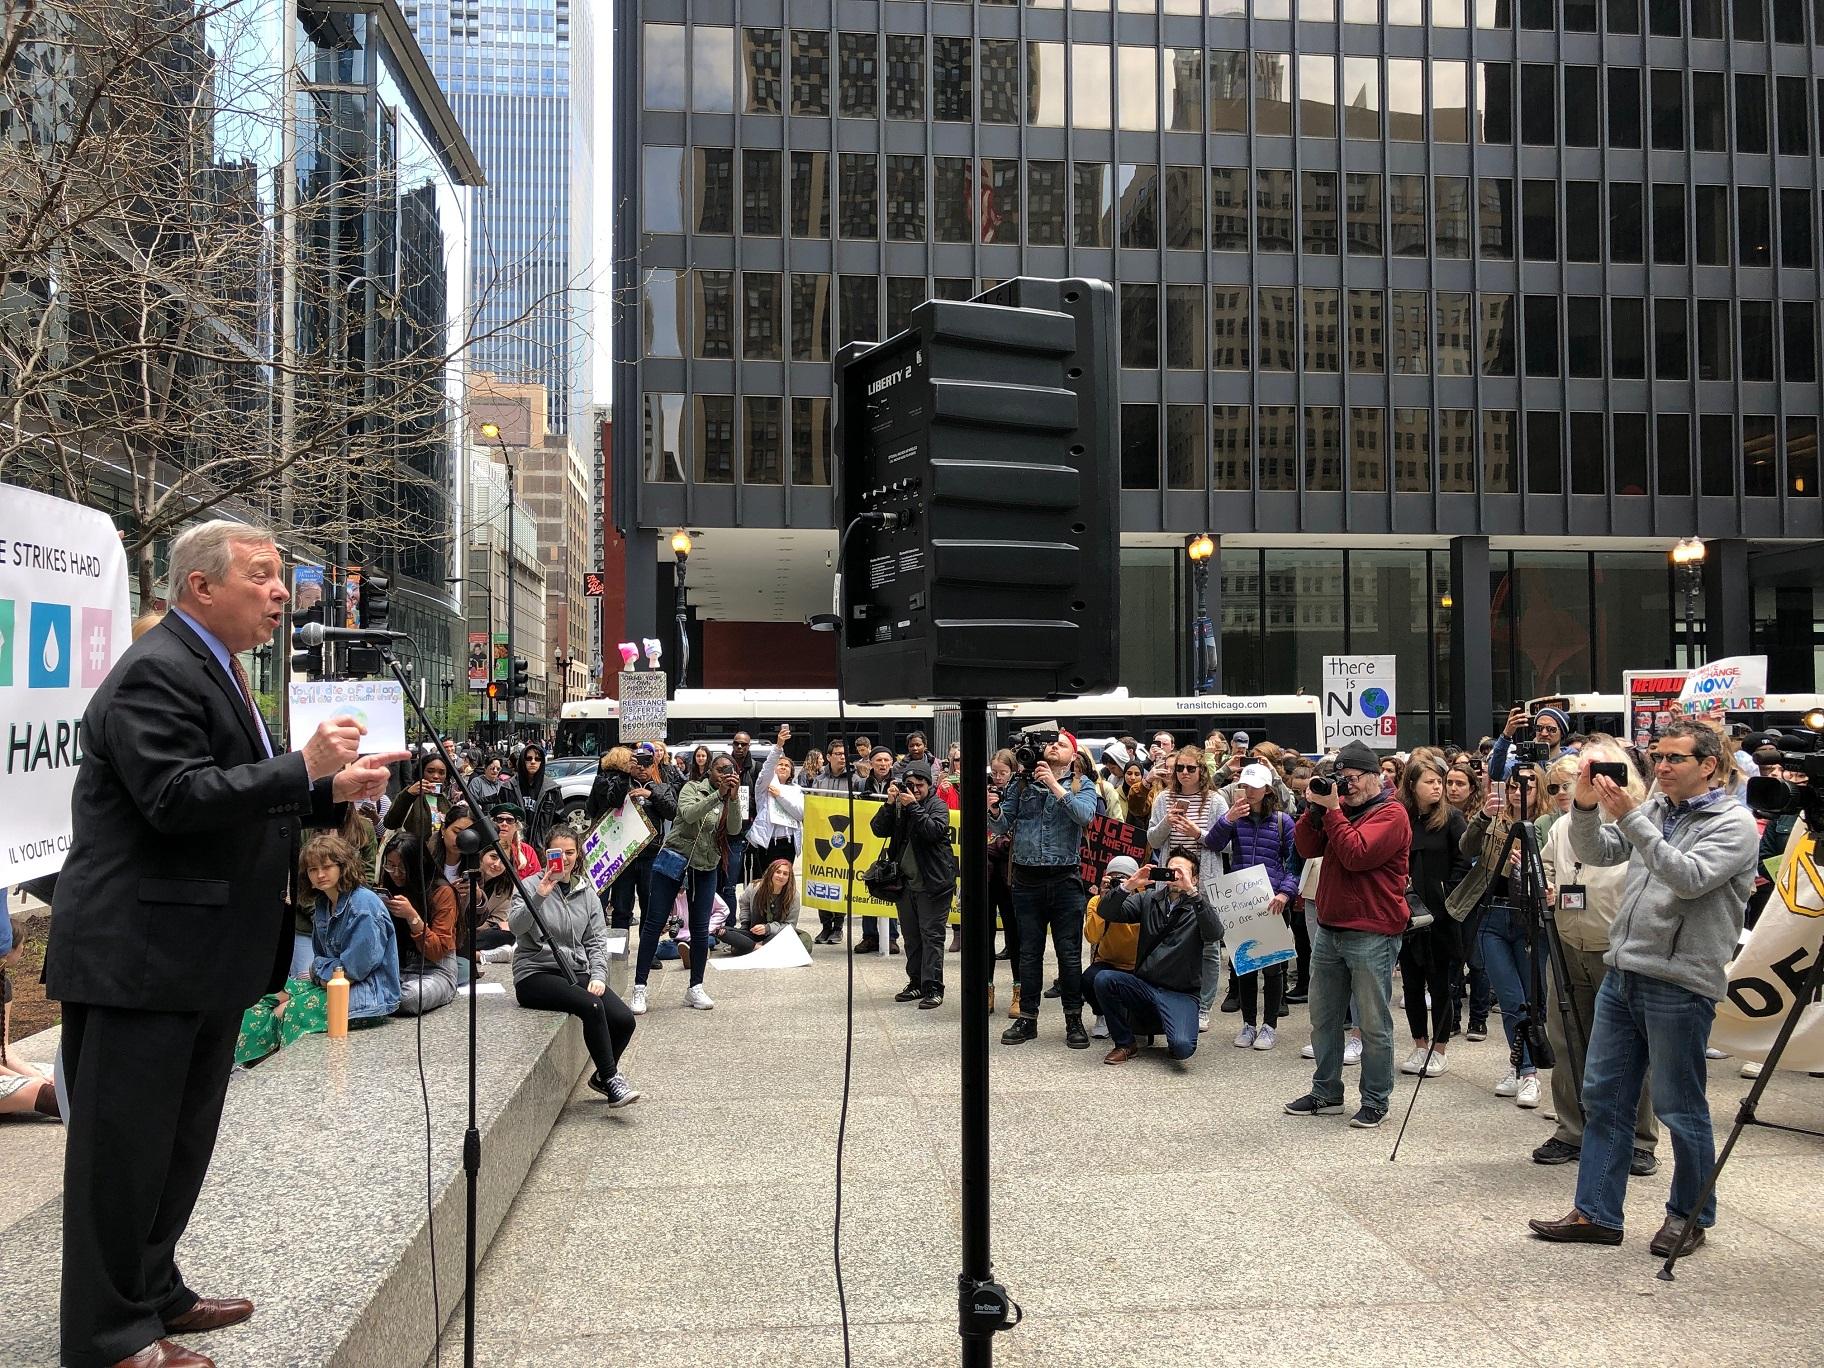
[{"x": 1571, "y": 895}]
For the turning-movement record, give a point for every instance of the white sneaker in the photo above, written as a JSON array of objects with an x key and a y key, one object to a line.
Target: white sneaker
[
  {"x": 1308, "y": 1052},
  {"x": 1528, "y": 1096},
  {"x": 500, "y": 954},
  {"x": 1264, "y": 1038},
  {"x": 1244, "y": 1038},
  {"x": 1099, "y": 1031},
  {"x": 1751, "y": 1070},
  {"x": 1414, "y": 1062},
  {"x": 637, "y": 1003},
  {"x": 1440, "y": 1063},
  {"x": 1352, "y": 1050},
  {"x": 695, "y": 996},
  {"x": 1203, "y": 1022},
  {"x": 1508, "y": 1086},
  {"x": 1711, "y": 1052}
]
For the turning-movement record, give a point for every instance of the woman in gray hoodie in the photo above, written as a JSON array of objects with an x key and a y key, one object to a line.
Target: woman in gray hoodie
[{"x": 566, "y": 902}]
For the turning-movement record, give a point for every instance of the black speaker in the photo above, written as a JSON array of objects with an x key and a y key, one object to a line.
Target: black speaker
[{"x": 986, "y": 434}]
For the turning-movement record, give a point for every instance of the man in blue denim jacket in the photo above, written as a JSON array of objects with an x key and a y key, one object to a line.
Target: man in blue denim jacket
[{"x": 1046, "y": 817}]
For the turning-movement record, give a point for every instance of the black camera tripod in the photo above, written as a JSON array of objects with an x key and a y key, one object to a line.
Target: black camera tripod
[{"x": 1526, "y": 889}]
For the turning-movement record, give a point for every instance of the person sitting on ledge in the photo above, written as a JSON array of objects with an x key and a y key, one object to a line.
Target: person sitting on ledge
[
  {"x": 424, "y": 911},
  {"x": 1161, "y": 990},
  {"x": 350, "y": 930}
]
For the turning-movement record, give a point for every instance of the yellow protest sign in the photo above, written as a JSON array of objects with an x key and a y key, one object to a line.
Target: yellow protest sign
[{"x": 835, "y": 856}]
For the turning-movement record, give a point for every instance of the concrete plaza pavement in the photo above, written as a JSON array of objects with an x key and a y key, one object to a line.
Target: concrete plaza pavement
[{"x": 1154, "y": 1213}]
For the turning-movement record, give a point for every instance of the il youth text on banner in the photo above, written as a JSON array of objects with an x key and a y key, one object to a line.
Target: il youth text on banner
[
  {"x": 834, "y": 857},
  {"x": 64, "y": 620},
  {"x": 1771, "y": 965}
]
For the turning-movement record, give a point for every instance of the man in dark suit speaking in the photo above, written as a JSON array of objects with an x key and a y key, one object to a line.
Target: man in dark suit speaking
[{"x": 172, "y": 918}]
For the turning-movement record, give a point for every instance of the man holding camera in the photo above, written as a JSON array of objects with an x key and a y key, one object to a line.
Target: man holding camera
[
  {"x": 1550, "y": 726},
  {"x": 1046, "y": 817},
  {"x": 917, "y": 827},
  {"x": 1365, "y": 837},
  {"x": 1691, "y": 854},
  {"x": 1175, "y": 926}
]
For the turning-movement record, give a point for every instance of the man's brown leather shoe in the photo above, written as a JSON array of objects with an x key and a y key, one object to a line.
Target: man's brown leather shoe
[
  {"x": 164, "y": 1354},
  {"x": 210, "y": 1313},
  {"x": 1668, "y": 1237},
  {"x": 1576, "y": 1228},
  {"x": 1120, "y": 1054}
]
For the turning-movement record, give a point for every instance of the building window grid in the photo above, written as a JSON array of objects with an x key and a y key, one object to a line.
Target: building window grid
[{"x": 1432, "y": 195}]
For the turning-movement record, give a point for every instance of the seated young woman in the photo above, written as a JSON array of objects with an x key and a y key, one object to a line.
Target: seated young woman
[
  {"x": 766, "y": 907},
  {"x": 350, "y": 930},
  {"x": 424, "y": 911}
]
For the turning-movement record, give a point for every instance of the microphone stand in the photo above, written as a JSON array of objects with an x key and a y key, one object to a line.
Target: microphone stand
[{"x": 481, "y": 836}]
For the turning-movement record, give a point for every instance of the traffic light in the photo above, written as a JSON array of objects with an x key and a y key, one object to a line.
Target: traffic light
[
  {"x": 307, "y": 660},
  {"x": 522, "y": 683},
  {"x": 376, "y": 603},
  {"x": 493, "y": 690}
]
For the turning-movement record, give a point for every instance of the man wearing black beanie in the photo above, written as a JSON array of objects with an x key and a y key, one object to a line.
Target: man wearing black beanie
[{"x": 1364, "y": 838}]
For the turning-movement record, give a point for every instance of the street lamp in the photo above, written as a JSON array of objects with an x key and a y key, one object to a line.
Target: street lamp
[
  {"x": 1203, "y": 637},
  {"x": 1688, "y": 558},
  {"x": 491, "y": 432},
  {"x": 562, "y": 663},
  {"x": 680, "y": 548}
]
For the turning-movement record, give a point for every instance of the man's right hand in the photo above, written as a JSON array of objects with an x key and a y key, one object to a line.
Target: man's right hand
[
  {"x": 1516, "y": 718},
  {"x": 1585, "y": 795},
  {"x": 336, "y": 743},
  {"x": 1139, "y": 881}
]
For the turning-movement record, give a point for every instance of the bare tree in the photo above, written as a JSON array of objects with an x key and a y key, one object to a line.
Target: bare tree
[{"x": 145, "y": 364}]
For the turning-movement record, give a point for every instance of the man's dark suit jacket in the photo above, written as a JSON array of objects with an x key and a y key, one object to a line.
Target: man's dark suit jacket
[{"x": 186, "y": 838}]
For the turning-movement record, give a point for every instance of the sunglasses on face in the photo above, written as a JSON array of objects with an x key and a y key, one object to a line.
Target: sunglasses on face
[
  {"x": 1669, "y": 758},
  {"x": 1556, "y": 788},
  {"x": 1184, "y": 769}
]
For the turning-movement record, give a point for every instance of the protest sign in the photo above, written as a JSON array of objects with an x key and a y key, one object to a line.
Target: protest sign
[
  {"x": 834, "y": 857},
  {"x": 64, "y": 620},
  {"x": 1103, "y": 839},
  {"x": 377, "y": 704},
  {"x": 1732, "y": 684},
  {"x": 642, "y": 711},
  {"x": 1652, "y": 701},
  {"x": 1770, "y": 967},
  {"x": 1257, "y": 936},
  {"x": 1359, "y": 701},
  {"x": 615, "y": 843}
]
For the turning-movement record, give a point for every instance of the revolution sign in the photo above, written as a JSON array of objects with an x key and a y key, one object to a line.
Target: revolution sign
[
  {"x": 1359, "y": 702},
  {"x": 64, "y": 620}
]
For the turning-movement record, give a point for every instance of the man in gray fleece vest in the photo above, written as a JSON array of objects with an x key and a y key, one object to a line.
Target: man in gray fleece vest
[{"x": 1691, "y": 851}]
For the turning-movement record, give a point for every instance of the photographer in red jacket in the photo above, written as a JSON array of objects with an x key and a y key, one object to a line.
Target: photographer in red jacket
[{"x": 1364, "y": 837}]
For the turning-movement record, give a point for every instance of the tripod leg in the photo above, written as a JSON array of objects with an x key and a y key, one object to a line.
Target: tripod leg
[
  {"x": 1745, "y": 1114},
  {"x": 1424, "y": 1069}
]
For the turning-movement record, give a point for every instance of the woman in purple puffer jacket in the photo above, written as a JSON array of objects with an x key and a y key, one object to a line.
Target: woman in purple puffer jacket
[{"x": 1254, "y": 831}]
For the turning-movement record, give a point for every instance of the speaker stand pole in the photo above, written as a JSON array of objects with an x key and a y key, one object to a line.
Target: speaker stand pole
[{"x": 983, "y": 1306}]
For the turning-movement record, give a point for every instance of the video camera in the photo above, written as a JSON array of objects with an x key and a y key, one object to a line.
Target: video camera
[
  {"x": 1029, "y": 746},
  {"x": 1798, "y": 751}
]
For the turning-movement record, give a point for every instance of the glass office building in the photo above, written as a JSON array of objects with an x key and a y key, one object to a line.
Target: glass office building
[
  {"x": 520, "y": 75},
  {"x": 1447, "y": 316}
]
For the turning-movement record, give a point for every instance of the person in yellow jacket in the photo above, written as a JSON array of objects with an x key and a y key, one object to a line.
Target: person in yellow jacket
[{"x": 1117, "y": 944}]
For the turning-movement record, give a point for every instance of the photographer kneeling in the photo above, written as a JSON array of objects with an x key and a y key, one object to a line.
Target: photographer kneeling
[
  {"x": 1175, "y": 926},
  {"x": 1691, "y": 855}
]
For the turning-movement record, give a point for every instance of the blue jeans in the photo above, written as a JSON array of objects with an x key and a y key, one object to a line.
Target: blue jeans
[
  {"x": 303, "y": 955},
  {"x": 1212, "y": 976},
  {"x": 1503, "y": 940},
  {"x": 1641, "y": 1024},
  {"x": 1358, "y": 964},
  {"x": 1127, "y": 998},
  {"x": 653, "y": 916},
  {"x": 1056, "y": 905}
]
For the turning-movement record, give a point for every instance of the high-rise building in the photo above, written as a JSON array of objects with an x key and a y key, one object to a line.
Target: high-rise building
[
  {"x": 1447, "y": 318},
  {"x": 520, "y": 75}
]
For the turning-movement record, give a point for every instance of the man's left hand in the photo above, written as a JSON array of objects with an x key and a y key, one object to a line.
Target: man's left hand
[
  {"x": 367, "y": 777},
  {"x": 1616, "y": 802}
]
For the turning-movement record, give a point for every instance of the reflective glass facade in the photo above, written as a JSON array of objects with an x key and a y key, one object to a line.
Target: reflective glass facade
[{"x": 520, "y": 76}]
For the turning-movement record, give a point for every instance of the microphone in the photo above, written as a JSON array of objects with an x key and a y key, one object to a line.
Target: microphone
[{"x": 315, "y": 634}]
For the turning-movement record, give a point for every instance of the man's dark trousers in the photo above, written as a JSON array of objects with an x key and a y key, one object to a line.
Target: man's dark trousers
[
  {"x": 1055, "y": 904},
  {"x": 146, "y": 1092}
]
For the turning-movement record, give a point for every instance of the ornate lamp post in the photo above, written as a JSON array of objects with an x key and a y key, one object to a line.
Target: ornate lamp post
[{"x": 1203, "y": 636}]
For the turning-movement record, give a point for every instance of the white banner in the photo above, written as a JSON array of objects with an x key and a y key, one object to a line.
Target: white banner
[
  {"x": 642, "y": 712},
  {"x": 1771, "y": 965},
  {"x": 64, "y": 620},
  {"x": 378, "y": 704},
  {"x": 1732, "y": 684},
  {"x": 1359, "y": 702},
  {"x": 615, "y": 843},
  {"x": 1256, "y": 935}
]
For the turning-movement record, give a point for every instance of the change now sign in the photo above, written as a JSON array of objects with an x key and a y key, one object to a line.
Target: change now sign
[{"x": 1359, "y": 702}]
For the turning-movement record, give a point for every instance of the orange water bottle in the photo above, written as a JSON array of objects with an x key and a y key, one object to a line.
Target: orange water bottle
[{"x": 338, "y": 1003}]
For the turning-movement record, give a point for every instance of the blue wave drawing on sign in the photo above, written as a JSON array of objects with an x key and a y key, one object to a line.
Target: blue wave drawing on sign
[{"x": 1246, "y": 961}]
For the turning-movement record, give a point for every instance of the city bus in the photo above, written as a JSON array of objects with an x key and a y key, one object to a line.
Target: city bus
[{"x": 713, "y": 716}]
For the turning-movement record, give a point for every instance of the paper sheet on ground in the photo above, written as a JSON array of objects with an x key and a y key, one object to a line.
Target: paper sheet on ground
[
  {"x": 483, "y": 989},
  {"x": 782, "y": 950}
]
